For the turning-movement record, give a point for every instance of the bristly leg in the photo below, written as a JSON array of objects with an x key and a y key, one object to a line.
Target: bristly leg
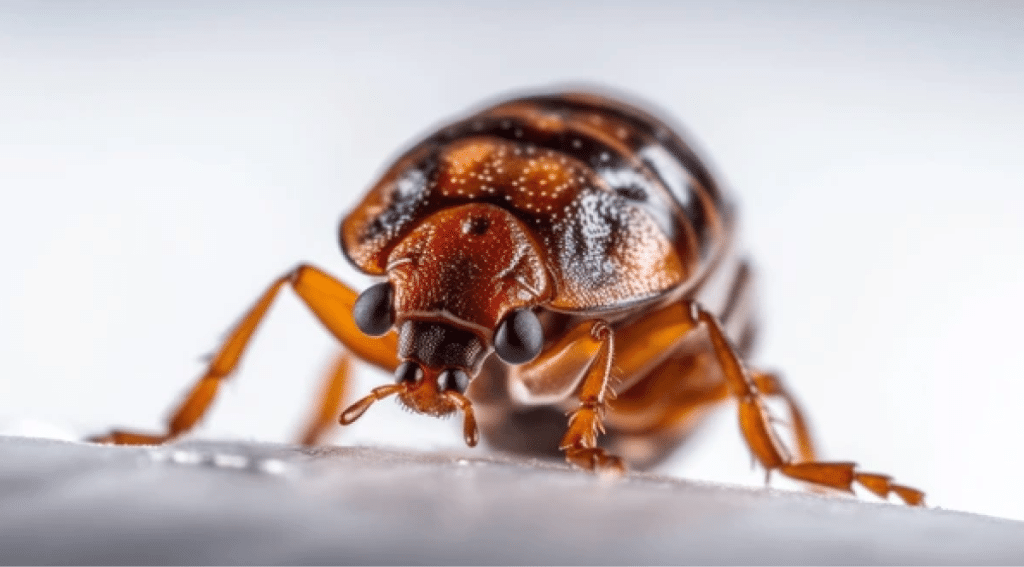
[
  {"x": 763, "y": 440},
  {"x": 580, "y": 441}
]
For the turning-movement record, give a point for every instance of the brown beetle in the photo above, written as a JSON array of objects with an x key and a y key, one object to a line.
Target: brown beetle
[{"x": 582, "y": 242}]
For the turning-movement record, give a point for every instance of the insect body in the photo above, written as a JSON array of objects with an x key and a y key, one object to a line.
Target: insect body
[{"x": 550, "y": 254}]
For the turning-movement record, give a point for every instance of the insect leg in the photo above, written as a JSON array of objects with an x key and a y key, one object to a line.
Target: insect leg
[
  {"x": 582, "y": 359},
  {"x": 672, "y": 400},
  {"x": 330, "y": 300},
  {"x": 763, "y": 440},
  {"x": 328, "y": 406},
  {"x": 647, "y": 422},
  {"x": 771, "y": 384},
  {"x": 580, "y": 440}
]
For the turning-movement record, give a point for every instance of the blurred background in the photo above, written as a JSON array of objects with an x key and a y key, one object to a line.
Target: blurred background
[{"x": 161, "y": 162}]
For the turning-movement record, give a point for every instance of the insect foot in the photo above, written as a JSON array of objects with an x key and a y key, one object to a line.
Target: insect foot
[
  {"x": 580, "y": 443},
  {"x": 595, "y": 459}
]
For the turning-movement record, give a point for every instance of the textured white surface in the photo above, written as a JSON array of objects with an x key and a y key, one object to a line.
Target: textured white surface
[{"x": 231, "y": 503}]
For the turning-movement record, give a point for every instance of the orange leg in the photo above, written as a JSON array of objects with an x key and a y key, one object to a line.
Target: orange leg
[
  {"x": 330, "y": 300},
  {"x": 761, "y": 437},
  {"x": 771, "y": 385},
  {"x": 328, "y": 405},
  {"x": 645, "y": 343},
  {"x": 581, "y": 359},
  {"x": 580, "y": 441},
  {"x": 584, "y": 359},
  {"x": 670, "y": 397},
  {"x": 633, "y": 352},
  {"x": 662, "y": 410},
  {"x": 659, "y": 412}
]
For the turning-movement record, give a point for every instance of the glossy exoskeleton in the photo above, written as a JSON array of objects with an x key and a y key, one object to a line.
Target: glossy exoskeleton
[{"x": 549, "y": 254}]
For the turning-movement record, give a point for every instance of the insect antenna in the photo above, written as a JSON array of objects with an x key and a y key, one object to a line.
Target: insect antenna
[{"x": 356, "y": 410}]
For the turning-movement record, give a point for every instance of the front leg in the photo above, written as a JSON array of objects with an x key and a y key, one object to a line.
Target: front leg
[
  {"x": 580, "y": 441},
  {"x": 329, "y": 300}
]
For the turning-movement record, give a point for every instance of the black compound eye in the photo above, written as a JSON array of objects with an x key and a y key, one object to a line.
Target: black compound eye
[
  {"x": 453, "y": 379},
  {"x": 519, "y": 337},
  {"x": 372, "y": 310},
  {"x": 408, "y": 372}
]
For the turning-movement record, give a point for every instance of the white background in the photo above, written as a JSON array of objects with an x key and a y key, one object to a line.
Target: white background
[{"x": 160, "y": 163}]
